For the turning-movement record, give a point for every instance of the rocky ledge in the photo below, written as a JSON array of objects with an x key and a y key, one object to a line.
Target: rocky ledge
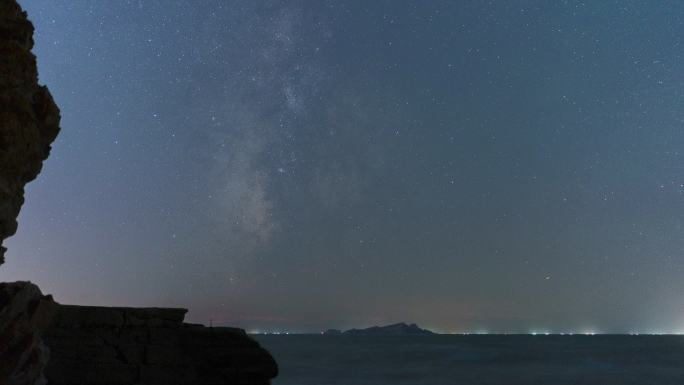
[{"x": 94, "y": 345}]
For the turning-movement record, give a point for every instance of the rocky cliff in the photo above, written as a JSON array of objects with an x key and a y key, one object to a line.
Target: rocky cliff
[
  {"x": 29, "y": 122},
  {"x": 103, "y": 345},
  {"x": 89, "y": 345},
  {"x": 29, "y": 119}
]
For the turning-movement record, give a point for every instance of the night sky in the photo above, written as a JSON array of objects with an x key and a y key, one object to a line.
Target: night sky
[{"x": 299, "y": 165}]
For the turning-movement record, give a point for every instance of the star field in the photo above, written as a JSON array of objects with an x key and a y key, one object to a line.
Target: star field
[{"x": 302, "y": 165}]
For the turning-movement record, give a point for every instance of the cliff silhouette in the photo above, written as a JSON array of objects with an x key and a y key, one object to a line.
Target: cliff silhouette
[{"x": 41, "y": 340}]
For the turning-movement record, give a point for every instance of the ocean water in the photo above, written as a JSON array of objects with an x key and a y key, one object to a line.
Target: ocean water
[{"x": 477, "y": 359}]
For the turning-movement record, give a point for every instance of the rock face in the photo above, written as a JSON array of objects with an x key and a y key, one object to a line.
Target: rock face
[
  {"x": 24, "y": 314},
  {"x": 117, "y": 346},
  {"x": 29, "y": 122},
  {"x": 29, "y": 119}
]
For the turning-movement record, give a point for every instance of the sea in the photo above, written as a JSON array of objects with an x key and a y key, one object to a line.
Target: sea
[{"x": 477, "y": 359}]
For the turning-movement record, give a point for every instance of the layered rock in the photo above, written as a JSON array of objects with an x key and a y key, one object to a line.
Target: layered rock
[
  {"x": 29, "y": 119},
  {"x": 116, "y": 346}
]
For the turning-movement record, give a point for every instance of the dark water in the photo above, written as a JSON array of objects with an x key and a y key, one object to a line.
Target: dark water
[{"x": 477, "y": 359}]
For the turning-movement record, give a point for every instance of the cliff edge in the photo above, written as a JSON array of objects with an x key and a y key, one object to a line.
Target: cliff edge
[
  {"x": 94, "y": 345},
  {"x": 29, "y": 118},
  {"x": 89, "y": 345},
  {"x": 29, "y": 122}
]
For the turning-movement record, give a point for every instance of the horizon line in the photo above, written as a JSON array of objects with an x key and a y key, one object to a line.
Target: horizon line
[{"x": 534, "y": 334}]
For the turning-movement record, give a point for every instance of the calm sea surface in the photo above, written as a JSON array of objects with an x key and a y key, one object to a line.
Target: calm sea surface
[{"x": 476, "y": 359}]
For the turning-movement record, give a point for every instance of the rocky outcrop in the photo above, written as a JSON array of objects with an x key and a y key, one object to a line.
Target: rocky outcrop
[
  {"x": 29, "y": 119},
  {"x": 104, "y": 345},
  {"x": 29, "y": 122},
  {"x": 89, "y": 345},
  {"x": 24, "y": 314}
]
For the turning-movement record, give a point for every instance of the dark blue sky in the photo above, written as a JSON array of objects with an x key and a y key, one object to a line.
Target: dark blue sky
[{"x": 470, "y": 166}]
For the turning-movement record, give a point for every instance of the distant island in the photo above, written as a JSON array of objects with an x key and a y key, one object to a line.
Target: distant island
[{"x": 399, "y": 329}]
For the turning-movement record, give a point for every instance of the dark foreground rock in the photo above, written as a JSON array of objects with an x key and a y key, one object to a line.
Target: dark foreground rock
[
  {"x": 29, "y": 122},
  {"x": 29, "y": 119},
  {"x": 24, "y": 313},
  {"x": 102, "y": 345}
]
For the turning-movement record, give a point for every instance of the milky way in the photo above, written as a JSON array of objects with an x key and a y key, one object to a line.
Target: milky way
[{"x": 312, "y": 164}]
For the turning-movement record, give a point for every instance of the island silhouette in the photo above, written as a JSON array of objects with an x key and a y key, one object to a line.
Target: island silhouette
[{"x": 397, "y": 329}]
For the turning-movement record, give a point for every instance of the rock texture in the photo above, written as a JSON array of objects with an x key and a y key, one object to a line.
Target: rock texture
[
  {"x": 115, "y": 346},
  {"x": 24, "y": 314},
  {"x": 29, "y": 119}
]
